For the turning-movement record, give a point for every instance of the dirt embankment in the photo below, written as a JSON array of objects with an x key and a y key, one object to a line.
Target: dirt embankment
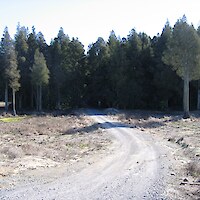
[
  {"x": 36, "y": 142},
  {"x": 182, "y": 138}
]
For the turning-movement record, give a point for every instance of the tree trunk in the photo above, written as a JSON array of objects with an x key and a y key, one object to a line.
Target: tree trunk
[
  {"x": 13, "y": 96},
  {"x": 6, "y": 97},
  {"x": 32, "y": 97},
  {"x": 40, "y": 97},
  {"x": 58, "y": 106},
  {"x": 20, "y": 102},
  {"x": 198, "y": 100},
  {"x": 37, "y": 98},
  {"x": 186, "y": 96}
]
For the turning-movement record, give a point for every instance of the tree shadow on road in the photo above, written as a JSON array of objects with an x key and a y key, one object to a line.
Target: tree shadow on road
[
  {"x": 153, "y": 119},
  {"x": 94, "y": 127}
]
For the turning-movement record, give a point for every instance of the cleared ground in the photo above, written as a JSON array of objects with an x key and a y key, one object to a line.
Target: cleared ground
[
  {"x": 32, "y": 143},
  {"x": 101, "y": 157}
]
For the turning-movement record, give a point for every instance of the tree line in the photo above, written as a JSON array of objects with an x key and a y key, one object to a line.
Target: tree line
[{"x": 134, "y": 72}]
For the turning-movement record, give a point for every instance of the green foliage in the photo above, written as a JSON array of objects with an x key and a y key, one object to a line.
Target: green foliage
[
  {"x": 40, "y": 72},
  {"x": 11, "y": 71},
  {"x": 166, "y": 82},
  {"x": 67, "y": 69},
  {"x": 21, "y": 45},
  {"x": 183, "y": 52},
  {"x": 132, "y": 72},
  {"x": 21, "y": 48},
  {"x": 97, "y": 76}
]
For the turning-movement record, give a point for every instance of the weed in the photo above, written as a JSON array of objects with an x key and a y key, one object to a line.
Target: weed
[
  {"x": 83, "y": 145},
  {"x": 69, "y": 145}
]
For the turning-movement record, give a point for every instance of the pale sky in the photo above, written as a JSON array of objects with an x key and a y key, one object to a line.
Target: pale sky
[{"x": 90, "y": 19}]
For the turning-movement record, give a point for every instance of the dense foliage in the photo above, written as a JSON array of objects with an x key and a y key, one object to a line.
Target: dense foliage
[
  {"x": 130, "y": 73},
  {"x": 183, "y": 54}
]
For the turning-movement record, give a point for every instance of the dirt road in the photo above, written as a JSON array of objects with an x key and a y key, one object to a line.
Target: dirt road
[{"x": 135, "y": 169}]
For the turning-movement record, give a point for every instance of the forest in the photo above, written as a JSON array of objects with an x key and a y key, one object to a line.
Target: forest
[{"x": 133, "y": 72}]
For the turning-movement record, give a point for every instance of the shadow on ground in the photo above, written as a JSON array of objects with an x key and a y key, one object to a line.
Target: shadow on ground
[{"x": 94, "y": 127}]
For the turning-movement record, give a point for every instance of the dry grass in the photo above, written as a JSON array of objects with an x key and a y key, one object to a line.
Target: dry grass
[{"x": 54, "y": 140}]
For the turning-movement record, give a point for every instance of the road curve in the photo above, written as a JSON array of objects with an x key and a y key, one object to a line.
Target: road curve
[{"x": 134, "y": 170}]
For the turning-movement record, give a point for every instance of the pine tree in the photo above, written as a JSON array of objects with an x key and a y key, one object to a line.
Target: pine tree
[
  {"x": 183, "y": 54},
  {"x": 40, "y": 76},
  {"x": 98, "y": 81},
  {"x": 11, "y": 71},
  {"x": 21, "y": 47},
  {"x": 166, "y": 82},
  {"x": 5, "y": 43},
  {"x": 13, "y": 75},
  {"x": 134, "y": 71},
  {"x": 115, "y": 74},
  {"x": 59, "y": 51},
  {"x": 73, "y": 66},
  {"x": 32, "y": 46}
]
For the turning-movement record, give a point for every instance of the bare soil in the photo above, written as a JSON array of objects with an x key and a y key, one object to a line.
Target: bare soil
[
  {"x": 182, "y": 139},
  {"x": 41, "y": 142}
]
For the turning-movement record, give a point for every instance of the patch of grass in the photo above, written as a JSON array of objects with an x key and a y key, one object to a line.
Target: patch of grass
[
  {"x": 11, "y": 119},
  {"x": 194, "y": 169}
]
